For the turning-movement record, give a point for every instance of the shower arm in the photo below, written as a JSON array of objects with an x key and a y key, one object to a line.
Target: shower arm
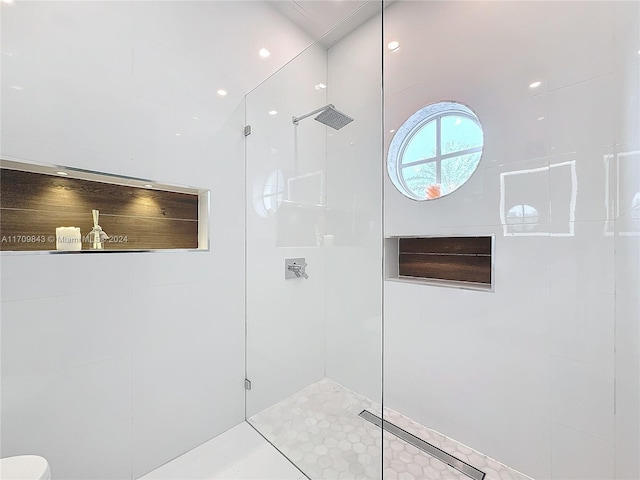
[{"x": 296, "y": 120}]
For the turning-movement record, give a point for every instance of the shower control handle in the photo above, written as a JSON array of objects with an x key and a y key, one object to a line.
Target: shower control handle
[
  {"x": 299, "y": 270},
  {"x": 296, "y": 268}
]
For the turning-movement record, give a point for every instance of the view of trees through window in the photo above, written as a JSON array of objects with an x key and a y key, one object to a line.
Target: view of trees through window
[{"x": 439, "y": 155}]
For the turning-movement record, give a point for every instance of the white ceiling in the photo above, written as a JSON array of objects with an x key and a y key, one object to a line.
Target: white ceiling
[{"x": 328, "y": 20}]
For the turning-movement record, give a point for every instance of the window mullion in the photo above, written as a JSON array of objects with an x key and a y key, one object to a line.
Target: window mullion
[
  {"x": 419, "y": 162},
  {"x": 461, "y": 153}
]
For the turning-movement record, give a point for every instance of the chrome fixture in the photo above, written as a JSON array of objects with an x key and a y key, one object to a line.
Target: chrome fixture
[
  {"x": 463, "y": 467},
  {"x": 295, "y": 268},
  {"x": 329, "y": 116}
]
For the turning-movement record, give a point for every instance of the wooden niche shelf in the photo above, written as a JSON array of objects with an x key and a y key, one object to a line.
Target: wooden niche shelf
[
  {"x": 33, "y": 204},
  {"x": 455, "y": 261}
]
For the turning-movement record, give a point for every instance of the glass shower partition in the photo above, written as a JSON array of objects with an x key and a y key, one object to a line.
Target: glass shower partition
[{"x": 314, "y": 257}]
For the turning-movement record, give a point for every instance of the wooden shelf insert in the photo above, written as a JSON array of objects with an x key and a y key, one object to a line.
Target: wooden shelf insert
[
  {"x": 459, "y": 259},
  {"x": 32, "y": 205}
]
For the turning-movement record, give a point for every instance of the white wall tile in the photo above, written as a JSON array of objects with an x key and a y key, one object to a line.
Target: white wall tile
[
  {"x": 178, "y": 334},
  {"x": 584, "y": 259},
  {"x": 582, "y": 326},
  {"x": 588, "y": 53},
  {"x": 627, "y": 79},
  {"x": 348, "y": 92},
  {"x": 628, "y": 182},
  {"x": 579, "y": 456},
  {"x": 106, "y": 86},
  {"x": 285, "y": 318},
  {"x": 51, "y": 409},
  {"x": 443, "y": 377},
  {"x": 49, "y": 336},
  {"x": 627, "y": 241},
  {"x": 353, "y": 296},
  {"x": 582, "y": 396},
  {"x": 627, "y": 354},
  {"x": 583, "y": 186},
  {"x": 581, "y": 116},
  {"x": 26, "y": 276},
  {"x": 101, "y": 454},
  {"x": 285, "y": 326},
  {"x": 554, "y": 295},
  {"x": 627, "y": 424},
  {"x": 75, "y": 92},
  {"x": 521, "y": 261}
]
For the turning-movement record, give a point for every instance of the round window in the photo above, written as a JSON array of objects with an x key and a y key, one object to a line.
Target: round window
[{"x": 435, "y": 151}]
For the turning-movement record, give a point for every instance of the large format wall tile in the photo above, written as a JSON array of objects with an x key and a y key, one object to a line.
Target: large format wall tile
[
  {"x": 131, "y": 89},
  {"x": 549, "y": 149}
]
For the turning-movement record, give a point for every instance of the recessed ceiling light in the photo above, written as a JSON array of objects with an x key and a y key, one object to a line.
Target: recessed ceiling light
[
  {"x": 148, "y": 186},
  {"x": 222, "y": 92},
  {"x": 264, "y": 53},
  {"x": 320, "y": 86},
  {"x": 273, "y": 112},
  {"x": 540, "y": 118},
  {"x": 7, "y": 1},
  {"x": 393, "y": 45},
  {"x": 64, "y": 174},
  {"x": 535, "y": 84},
  {"x": 16, "y": 87},
  {"x": 195, "y": 117},
  {"x": 177, "y": 134}
]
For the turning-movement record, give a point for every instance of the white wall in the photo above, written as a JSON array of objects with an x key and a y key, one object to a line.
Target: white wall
[
  {"x": 354, "y": 214},
  {"x": 331, "y": 213},
  {"x": 627, "y": 242},
  {"x": 286, "y": 170},
  {"x": 330, "y": 325},
  {"x": 110, "y": 380},
  {"x": 524, "y": 374}
]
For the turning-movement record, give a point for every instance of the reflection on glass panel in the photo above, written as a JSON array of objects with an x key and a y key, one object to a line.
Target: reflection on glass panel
[
  {"x": 422, "y": 145},
  {"x": 269, "y": 195},
  {"x": 418, "y": 178},
  {"x": 457, "y": 170},
  {"x": 459, "y": 133},
  {"x": 522, "y": 217}
]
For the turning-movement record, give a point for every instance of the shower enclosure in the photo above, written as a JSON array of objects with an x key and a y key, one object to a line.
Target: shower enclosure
[
  {"x": 538, "y": 374},
  {"x": 314, "y": 195}
]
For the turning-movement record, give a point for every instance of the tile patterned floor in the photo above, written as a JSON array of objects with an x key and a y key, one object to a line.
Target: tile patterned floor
[{"x": 319, "y": 429}]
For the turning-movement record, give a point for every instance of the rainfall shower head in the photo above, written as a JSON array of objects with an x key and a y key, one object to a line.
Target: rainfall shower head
[{"x": 329, "y": 116}]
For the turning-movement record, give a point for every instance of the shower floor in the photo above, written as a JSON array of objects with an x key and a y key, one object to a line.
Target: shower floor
[{"x": 320, "y": 430}]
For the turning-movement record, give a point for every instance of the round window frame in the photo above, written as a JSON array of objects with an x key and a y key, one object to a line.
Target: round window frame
[{"x": 411, "y": 127}]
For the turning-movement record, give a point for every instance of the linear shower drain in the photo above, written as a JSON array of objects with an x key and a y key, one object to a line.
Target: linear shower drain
[{"x": 426, "y": 447}]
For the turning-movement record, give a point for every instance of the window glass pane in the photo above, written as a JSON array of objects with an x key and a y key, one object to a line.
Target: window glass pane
[
  {"x": 457, "y": 170},
  {"x": 419, "y": 177},
  {"x": 459, "y": 133},
  {"x": 422, "y": 145},
  {"x": 443, "y": 129}
]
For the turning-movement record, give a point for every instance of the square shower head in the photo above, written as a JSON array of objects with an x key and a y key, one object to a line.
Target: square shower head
[{"x": 333, "y": 118}]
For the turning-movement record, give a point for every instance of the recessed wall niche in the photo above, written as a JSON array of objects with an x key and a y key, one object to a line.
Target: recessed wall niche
[
  {"x": 135, "y": 214},
  {"x": 461, "y": 261}
]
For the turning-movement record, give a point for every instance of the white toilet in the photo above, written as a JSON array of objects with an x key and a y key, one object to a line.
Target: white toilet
[{"x": 24, "y": 467}]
